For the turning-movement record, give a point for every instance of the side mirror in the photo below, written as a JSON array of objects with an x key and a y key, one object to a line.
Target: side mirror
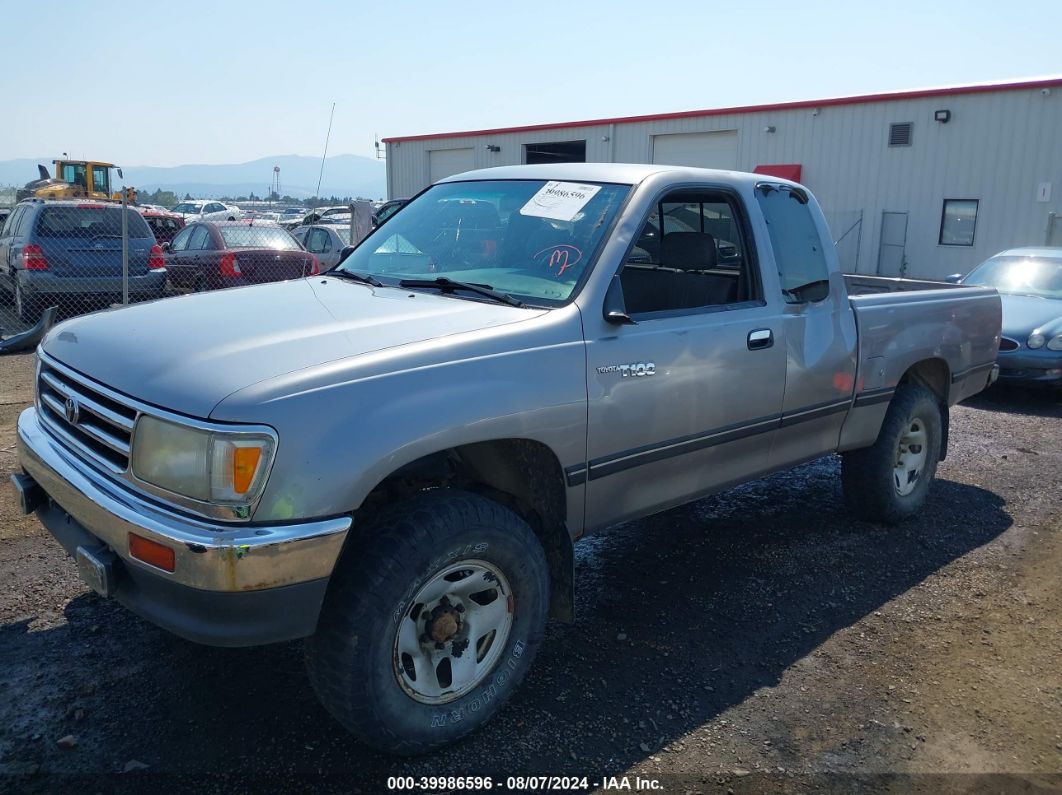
[
  {"x": 615, "y": 308},
  {"x": 344, "y": 253},
  {"x": 955, "y": 278},
  {"x": 165, "y": 246},
  {"x": 120, "y": 174}
]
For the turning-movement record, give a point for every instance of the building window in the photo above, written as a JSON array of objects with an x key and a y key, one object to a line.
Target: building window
[
  {"x": 957, "y": 222},
  {"x": 562, "y": 152},
  {"x": 900, "y": 134}
]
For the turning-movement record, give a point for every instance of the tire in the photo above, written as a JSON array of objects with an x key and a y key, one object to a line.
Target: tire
[
  {"x": 200, "y": 285},
  {"x": 876, "y": 487},
  {"x": 27, "y": 307},
  {"x": 355, "y": 660}
]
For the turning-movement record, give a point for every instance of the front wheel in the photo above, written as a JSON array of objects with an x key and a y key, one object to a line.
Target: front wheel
[
  {"x": 888, "y": 481},
  {"x": 431, "y": 621}
]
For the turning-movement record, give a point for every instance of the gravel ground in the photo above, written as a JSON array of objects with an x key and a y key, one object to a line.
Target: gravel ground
[{"x": 760, "y": 640}]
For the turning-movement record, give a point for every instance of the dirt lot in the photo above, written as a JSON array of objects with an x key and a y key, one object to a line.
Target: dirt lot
[{"x": 761, "y": 640}]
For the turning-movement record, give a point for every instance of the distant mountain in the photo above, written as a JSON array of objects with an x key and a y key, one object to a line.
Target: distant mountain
[{"x": 344, "y": 175}]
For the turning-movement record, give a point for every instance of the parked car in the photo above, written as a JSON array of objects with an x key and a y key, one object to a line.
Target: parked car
[
  {"x": 50, "y": 250},
  {"x": 386, "y": 210},
  {"x": 325, "y": 213},
  {"x": 395, "y": 458},
  {"x": 1029, "y": 281},
  {"x": 210, "y": 256},
  {"x": 164, "y": 224},
  {"x": 207, "y": 210},
  {"x": 328, "y": 242}
]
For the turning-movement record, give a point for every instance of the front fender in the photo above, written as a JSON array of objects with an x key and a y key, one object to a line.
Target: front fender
[{"x": 344, "y": 427}]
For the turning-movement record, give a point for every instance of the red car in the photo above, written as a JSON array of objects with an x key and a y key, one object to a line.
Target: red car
[
  {"x": 211, "y": 256},
  {"x": 163, "y": 223}
]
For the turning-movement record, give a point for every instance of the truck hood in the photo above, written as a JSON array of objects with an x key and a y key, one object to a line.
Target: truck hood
[{"x": 187, "y": 354}]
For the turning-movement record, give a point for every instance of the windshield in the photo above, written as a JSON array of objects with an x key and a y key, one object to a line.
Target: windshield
[
  {"x": 529, "y": 238},
  {"x": 187, "y": 208},
  {"x": 257, "y": 237},
  {"x": 1039, "y": 276}
]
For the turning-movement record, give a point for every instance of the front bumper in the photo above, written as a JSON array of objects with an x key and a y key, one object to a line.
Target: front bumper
[
  {"x": 1030, "y": 367},
  {"x": 232, "y": 585}
]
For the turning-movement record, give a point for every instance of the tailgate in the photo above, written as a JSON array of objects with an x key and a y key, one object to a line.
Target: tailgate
[{"x": 94, "y": 257}]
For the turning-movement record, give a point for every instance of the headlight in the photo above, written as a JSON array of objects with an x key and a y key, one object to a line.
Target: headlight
[
  {"x": 1035, "y": 341},
  {"x": 211, "y": 466},
  {"x": 1056, "y": 343}
]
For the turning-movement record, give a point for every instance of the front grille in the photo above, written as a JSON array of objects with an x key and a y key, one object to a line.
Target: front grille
[
  {"x": 88, "y": 421},
  {"x": 1007, "y": 344}
]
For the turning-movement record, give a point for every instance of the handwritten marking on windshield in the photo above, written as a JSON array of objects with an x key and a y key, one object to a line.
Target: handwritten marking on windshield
[{"x": 559, "y": 257}]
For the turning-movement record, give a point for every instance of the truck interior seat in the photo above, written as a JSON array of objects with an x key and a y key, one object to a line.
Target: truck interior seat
[{"x": 687, "y": 277}]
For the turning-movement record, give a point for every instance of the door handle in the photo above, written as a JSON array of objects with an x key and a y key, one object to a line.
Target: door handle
[{"x": 760, "y": 338}]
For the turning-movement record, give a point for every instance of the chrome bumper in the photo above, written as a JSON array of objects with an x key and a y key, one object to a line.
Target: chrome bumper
[{"x": 209, "y": 557}]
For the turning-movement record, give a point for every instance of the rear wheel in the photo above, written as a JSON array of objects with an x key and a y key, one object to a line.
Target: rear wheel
[
  {"x": 431, "y": 621},
  {"x": 888, "y": 481},
  {"x": 200, "y": 284}
]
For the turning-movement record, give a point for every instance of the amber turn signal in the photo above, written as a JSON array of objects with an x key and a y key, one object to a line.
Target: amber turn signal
[
  {"x": 151, "y": 552},
  {"x": 244, "y": 465}
]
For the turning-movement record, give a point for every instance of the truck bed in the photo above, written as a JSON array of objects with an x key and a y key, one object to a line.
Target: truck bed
[
  {"x": 862, "y": 284},
  {"x": 902, "y": 321}
]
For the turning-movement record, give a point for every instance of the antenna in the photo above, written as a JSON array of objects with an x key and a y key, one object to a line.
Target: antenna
[{"x": 320, "y": 176}]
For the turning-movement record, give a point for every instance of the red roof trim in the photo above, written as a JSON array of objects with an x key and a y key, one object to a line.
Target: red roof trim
[
  {"x": 978, "y": 88},
  {"x": 790, "y": 171}
]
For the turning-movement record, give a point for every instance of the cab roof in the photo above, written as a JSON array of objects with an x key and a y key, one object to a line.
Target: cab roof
[{"x": 619, "y": 173}]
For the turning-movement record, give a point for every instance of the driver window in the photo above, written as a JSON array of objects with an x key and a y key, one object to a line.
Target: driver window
[{"x": 690, "y": 255}]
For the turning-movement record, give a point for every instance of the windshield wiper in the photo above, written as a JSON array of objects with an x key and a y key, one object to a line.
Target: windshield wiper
[
  {"x": 354, "y": 276},
  {"x": 450, "y": 286}
]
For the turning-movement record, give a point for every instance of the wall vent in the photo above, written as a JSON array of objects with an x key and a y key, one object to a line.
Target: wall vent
[{"x": 900, "y": 133}]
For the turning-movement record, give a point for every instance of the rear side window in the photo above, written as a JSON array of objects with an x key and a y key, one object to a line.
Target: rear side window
[
  {"x": 258, "y": 237},
  {"x": 89, "y": 221},
  {"x": 200, "y": 239},
  {"x": 798, "y": 249},
  {"x": 11, "y": 227}
]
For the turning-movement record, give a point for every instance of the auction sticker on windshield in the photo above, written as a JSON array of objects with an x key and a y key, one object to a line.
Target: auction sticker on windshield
[{"x": 560, "y": 201}]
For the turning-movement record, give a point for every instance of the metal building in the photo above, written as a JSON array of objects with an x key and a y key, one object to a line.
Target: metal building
[{"x": 920, "y": 183}]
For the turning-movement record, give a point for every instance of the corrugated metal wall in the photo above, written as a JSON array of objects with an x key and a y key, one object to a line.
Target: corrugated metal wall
[{"x": 998, "y": 147}]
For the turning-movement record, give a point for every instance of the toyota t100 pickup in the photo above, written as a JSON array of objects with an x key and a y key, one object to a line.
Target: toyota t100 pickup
[{"x": 393, "y": 460}]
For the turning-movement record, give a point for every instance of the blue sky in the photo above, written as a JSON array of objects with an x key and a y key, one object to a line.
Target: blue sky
[{"x": 190, "y": 82}]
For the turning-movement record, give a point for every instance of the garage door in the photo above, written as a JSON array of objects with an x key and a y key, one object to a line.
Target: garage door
[
  {"x": 703, "y": 150},
  {"x": 447, "y": 162}
]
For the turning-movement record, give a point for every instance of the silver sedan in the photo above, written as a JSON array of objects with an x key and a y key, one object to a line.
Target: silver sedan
[{"x": 325, "y": 241}]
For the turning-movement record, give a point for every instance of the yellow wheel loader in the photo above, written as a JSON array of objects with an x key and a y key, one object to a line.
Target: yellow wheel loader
[{"x": 75, "y": 179}]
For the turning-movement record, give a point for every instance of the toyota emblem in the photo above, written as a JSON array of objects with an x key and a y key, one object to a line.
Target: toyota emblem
[{"x": 73, "y": 410}]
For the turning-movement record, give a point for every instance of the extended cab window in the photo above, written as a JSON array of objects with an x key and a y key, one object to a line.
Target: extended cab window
[
  {"x": 798, "y": 249},
  {"x": 690, "y": 254}
]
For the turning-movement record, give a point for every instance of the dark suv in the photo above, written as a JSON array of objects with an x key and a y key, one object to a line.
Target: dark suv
[{"x": 73, "y": 249}]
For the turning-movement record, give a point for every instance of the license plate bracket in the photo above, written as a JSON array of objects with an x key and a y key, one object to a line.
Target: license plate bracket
[{"x": 98, "y": 568}]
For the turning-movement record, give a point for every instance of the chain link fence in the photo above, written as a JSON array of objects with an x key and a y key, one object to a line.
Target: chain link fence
[{"x": 83, "y": 255}]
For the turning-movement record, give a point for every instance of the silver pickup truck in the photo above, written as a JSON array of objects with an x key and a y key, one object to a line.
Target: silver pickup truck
[{"x": 393, "y": 460}]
